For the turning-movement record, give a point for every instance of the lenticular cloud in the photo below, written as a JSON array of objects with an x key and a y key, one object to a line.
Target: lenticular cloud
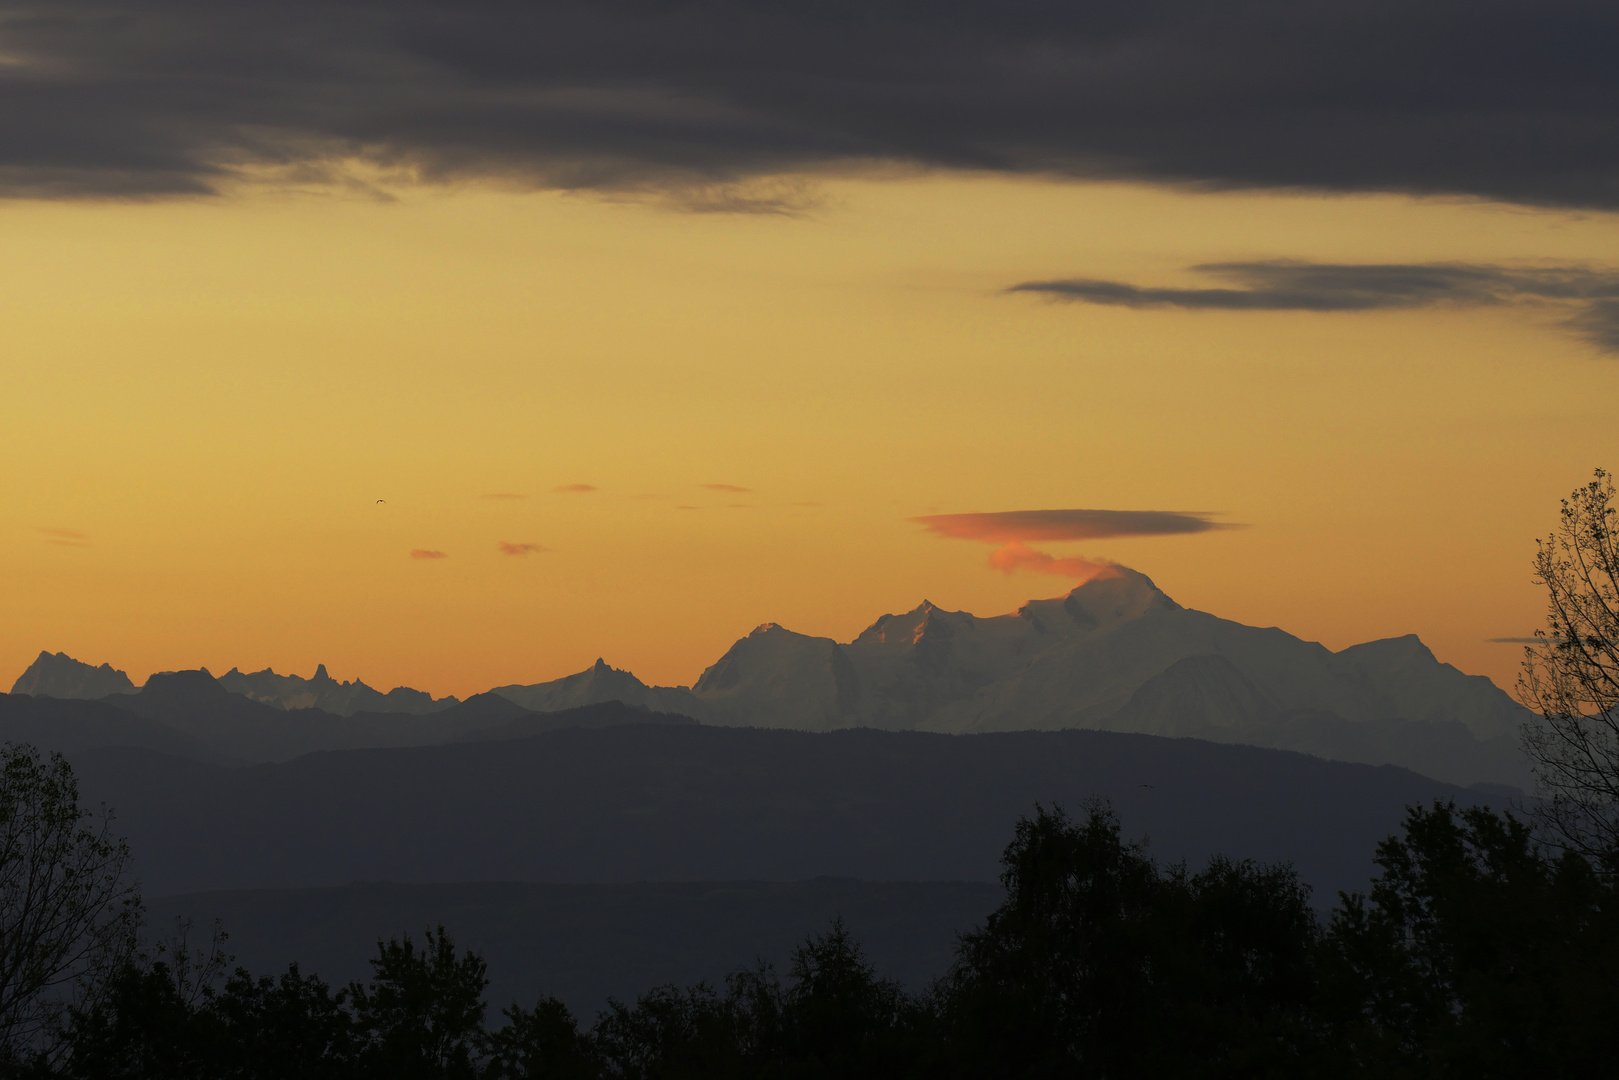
[{"x": 1013, "y": 529}]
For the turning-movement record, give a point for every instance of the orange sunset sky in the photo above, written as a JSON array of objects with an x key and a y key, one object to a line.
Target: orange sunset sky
[{"x": 207, "y": 396}]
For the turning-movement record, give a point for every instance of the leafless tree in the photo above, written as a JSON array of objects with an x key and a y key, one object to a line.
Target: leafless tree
[
  {"x": 69, "y": 912},
  {"x": 1570, "y": 675}
]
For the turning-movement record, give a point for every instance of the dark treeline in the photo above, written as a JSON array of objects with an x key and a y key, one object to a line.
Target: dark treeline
[{"x": 1475, "y": 953}]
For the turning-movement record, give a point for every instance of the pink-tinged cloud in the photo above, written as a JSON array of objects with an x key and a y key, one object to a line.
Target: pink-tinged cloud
[
  {"x": 1022, "y": 525},
  {"x": 66, "y": 537},
  {"x": 574, "y": 489},
  {"x": 1019, "y": 556},
  {"x": 735, "y": 490},
  {"x": 503, "y": 495},
  {"x": 507, "y": 547},
  {"x": 428, "y": 553}
]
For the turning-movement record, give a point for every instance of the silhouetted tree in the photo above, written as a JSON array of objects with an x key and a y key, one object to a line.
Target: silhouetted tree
[
  {"x": 68, "y": 911},
  {"x": 1571, "y": 675},
  {"x": 150, "y": 1019},
  {"x": 1476, "y": 955},
  {"x": 835, "y": 1018},
  {"x": 1099, "y": 964},
  {"x": 841, "y": 1019},
  {"x": 671, "y": 1034},
  {"x": 542, "y": 1043},
  {"x": 291, "y": 1026},
  {"x": 422, "y": 1014}
]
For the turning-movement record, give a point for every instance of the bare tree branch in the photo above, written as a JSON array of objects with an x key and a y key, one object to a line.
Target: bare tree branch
[
  {"x": 1570, "y": 675},
  {"x": 68, "y": 911}
]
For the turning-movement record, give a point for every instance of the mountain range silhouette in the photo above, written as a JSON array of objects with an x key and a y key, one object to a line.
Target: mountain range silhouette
[
  {"x": 598, "y": 833},
  {"x": 1114, "y": 654}
]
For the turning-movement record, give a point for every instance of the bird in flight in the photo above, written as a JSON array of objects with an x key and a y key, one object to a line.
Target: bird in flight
[{"x": 382, "y": 500}]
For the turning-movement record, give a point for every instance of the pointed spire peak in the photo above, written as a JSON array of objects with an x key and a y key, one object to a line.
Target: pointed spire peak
[
  {"x": 600, "y": 665},
  {"x": 320, "y": 674}
]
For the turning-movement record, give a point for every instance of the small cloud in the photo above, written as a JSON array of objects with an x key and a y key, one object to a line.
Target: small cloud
[
  {"x": 732, "y": 488},
  {"x": 1018, "y": 556},
  {"x": 66, "y": 537},
  {"x": 428, "y": 553},
  {"x": 503, "y": 495},
  {"x": 574, "y": 489},
  {"x": 1513, "y": 641},
  {"x": 507, "y": 547}
]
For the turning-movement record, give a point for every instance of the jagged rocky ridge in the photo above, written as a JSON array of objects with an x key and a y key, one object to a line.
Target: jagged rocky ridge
[
  {"x": 61, "y": 676},
  {"x": 58, "y": 675},
  {"x": 323, "y": 692}
]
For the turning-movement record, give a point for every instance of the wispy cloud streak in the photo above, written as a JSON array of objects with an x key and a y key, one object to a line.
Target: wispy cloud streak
[
  {"x": 65, "y": 537},
  {"x": 1590, "y": 295}
]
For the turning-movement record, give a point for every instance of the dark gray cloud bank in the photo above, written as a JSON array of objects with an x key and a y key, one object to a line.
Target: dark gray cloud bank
[
  {"x": 1512, "y": 99},
  {"x": 1588, "y": 297}
]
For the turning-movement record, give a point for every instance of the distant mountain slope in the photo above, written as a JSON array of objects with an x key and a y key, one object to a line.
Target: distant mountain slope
[
  {"x": 61, "y": 676},
  {"x": 323, "y": 692},
  {"x": 696, "y": 803},
  {"x": 1090, "y": 660},
  {"x": 1206, "y": 697},
  {"x": 600, "y": 683},
  {"x": 583, "y": 943},
  {"x": 807, "y": 682}
]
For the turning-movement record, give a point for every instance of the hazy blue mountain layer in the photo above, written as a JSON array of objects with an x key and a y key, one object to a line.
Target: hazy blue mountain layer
[
  {"x": 694, "y": 803},
  {"x": 585, "y": 942},
  {"x": 68, "y": 726},
  {"x": 189, "y": 714}
]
